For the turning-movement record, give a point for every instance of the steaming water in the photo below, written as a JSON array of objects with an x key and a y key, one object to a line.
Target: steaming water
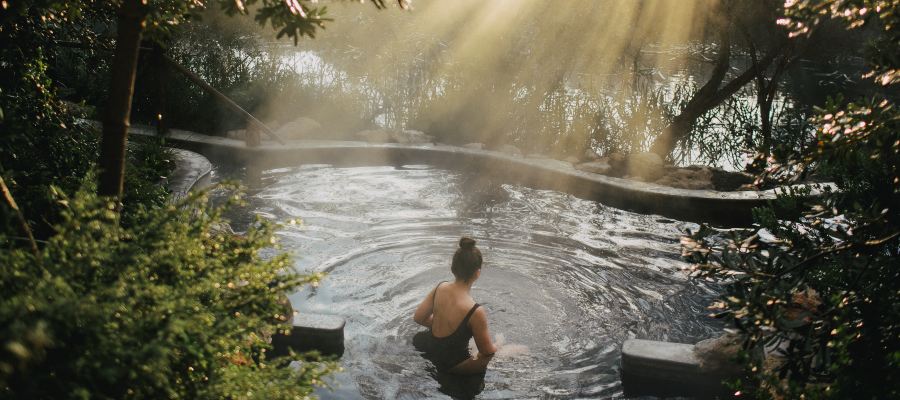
[{"x": 570, "y": 279}]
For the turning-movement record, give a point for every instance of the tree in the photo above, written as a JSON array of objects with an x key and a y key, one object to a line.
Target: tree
[
  {"x": 291, "y": 18},
  {"x": 817, "y": 291},
  {"x": 752, "y": 21},
  {"x": 45, "y": 140}
]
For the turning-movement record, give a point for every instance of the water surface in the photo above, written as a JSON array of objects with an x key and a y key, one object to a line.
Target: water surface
[{"x": 568, "y": 278}]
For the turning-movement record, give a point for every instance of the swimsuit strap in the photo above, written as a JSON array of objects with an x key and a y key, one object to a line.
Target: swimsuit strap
[
  {"x": 434, "y": 296},
  {"x": 465, "y": 320}
]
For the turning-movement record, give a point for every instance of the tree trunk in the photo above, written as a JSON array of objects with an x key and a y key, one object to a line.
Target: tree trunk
[
  {"x": 682, "y": 124},
  {"x": 131, "y": 21},
  {"x": 708, "y": 97}
]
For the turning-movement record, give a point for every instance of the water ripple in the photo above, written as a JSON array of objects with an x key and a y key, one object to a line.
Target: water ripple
[{"x": 570, "y": 279}]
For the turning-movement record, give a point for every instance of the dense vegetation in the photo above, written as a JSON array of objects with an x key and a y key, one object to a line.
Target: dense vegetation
[
  {"x": 816, "y": 295},
  {"x": 125, "y": 295},
  {"x": 170, "y": 308},
  {"x": 122, "y": 294},
  {"x": 541, "y": 88}
]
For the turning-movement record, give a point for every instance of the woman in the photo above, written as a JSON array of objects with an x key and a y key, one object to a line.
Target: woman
[{"x": 453, "y": 317}]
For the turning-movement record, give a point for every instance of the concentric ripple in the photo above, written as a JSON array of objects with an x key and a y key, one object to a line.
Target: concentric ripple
[{"x": 567, "y": 278}]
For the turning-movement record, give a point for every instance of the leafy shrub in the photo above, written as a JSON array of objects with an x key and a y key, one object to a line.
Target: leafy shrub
[
  {"x": 818, "y": 292},
  {"x": 171, "y": 307},
  {"x": 45, "y": 140}
]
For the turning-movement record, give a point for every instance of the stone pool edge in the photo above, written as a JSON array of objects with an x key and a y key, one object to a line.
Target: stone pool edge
[
  {"x": 729, "y": 209},
  {"x": 192, "y": 171}
]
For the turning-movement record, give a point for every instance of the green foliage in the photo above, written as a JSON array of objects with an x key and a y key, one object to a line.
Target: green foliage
[
  {"x": 149, "y": 162},
  {"x": 173, "y": 307},
  {"x": 45, "y": 140},
  {"x": 301, "y": 20},
  {"x": 628, "y": 123},
  {"x": 819, "y": 292}
]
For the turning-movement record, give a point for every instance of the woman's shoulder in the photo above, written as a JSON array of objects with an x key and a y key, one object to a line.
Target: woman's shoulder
[
  {"x": 479, "y": 311},
  {"x": 479, "y": 316}
]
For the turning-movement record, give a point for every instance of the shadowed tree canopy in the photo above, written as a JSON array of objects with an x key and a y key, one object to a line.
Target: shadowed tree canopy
[
  {"x": 290, "y": 18},
  {"x": 743, "y": 26}
]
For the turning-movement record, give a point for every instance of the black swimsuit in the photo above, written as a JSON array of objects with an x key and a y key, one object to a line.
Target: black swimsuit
[{"x": 448, "y": 351}]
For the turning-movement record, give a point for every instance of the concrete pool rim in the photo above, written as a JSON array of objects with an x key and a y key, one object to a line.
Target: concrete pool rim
[{"x": 725, "y": 209}]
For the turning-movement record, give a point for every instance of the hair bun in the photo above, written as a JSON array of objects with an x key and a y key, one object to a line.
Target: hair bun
[{"x": 467, "y": 243}]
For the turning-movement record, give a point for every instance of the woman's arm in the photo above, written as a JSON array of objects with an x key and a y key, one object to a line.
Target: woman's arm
[
  {"x": 486, "y": 348},
  {"x": 424, "y": 312},
  {"x": 479, "y": 325}
]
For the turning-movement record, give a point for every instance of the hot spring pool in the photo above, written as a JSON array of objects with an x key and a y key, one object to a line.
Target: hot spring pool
[{"x": 568, "y": 278}]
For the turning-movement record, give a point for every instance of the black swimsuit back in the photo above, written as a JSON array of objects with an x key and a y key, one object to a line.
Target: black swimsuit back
[{"x": 448, "y": 351}]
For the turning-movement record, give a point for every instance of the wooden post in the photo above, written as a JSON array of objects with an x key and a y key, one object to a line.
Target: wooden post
[{"x": 132, "y": 16}]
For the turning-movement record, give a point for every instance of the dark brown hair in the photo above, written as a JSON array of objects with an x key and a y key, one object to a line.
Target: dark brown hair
[{"x": 466, "y": 260}]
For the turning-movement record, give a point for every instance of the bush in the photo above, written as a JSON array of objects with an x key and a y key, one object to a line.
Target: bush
[
  {"x": 171, "y": 307},
  {"x": 816, "y": 288},
  {"x": 45, "y": 140}
]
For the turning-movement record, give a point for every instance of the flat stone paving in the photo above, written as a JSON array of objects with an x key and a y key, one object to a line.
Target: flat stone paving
[
  {"x": 664, "y": 369},
  {"x": 319, "y": 332}
]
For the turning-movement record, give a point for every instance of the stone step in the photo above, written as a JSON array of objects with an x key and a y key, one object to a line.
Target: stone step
[
  {"x": 652, "y": 368},
  {"x": 319, "y": 332}
]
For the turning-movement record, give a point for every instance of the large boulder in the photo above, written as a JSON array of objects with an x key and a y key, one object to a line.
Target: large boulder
[
  {"x": 375, "y": 136},
  {"x": 719, "y": 355},
  {"x": 646, "y": 166},
  {"x": 596, "y": 167},
  {"x": 300, "y": 128},
  {"x": 411, "y": 137},
  {"x": 728, "y": 180},
  {"x": 688, "y": 178},
  {"x": 618, "y": 162},
  {"x": 590, "y": 155}
]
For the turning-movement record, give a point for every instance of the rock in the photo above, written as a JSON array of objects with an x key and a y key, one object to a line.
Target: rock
[
  {"x": 618, "y": 162},
  {"x": 375, "y": 135},
  {"x": 662, "y": 369},
  {"x": 411, "y": 137},
  {"x": 300, "y": 128},
  {"x": 717, "y": 355},
  {"x": 727, "y": 180},
  {"x": 222, "y": 228},
  {"x": 510, "y": 149},
  {"x": 475, "y": 146},
  {"x": 320, "y": 332},
  {"x": 688, "y": 178},
  {"x": 572, "y": 160},
  {"x": 591, "y": 155},
  {"x": 646, "y": 165},
  {"x": 596, "y": 167}
]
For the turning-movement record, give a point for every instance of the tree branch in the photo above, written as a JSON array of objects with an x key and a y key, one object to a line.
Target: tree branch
[{"x": 22, "y": 222}]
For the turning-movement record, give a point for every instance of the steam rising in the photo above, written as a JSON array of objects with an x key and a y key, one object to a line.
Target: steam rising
[{"x": 530, "y": 72}]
